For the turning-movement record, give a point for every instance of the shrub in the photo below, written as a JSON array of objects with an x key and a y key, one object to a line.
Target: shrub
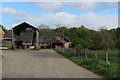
[{"x": 65, "y": 52}]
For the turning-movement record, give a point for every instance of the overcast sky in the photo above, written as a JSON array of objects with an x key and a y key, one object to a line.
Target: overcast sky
[{"x": 92, "y": 15}]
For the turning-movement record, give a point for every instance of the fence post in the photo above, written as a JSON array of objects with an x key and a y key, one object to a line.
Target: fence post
[
  {"x": 85, "y": 54},
  {"x": 75, "y": 52},
  {"x": 96, "y": 56},
  {"x": 107, "y": 59}
]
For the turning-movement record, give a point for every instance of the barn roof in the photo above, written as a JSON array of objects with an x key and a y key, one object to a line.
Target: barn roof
[
  {"x": 23, "y": 26},
  {"x": 48, "y": 39}
]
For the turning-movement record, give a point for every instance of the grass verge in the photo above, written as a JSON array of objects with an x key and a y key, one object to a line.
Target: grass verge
[{"x": 99, "y": 67}]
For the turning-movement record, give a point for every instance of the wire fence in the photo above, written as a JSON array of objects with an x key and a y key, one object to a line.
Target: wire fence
[{"x": 108, "y": 56}]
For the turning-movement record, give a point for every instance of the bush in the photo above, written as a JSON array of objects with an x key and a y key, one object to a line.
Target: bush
[
  {"x": 65, "y": 52},
  {"x": 79, "y": 50},
  {"x": 12, "y": 47}
]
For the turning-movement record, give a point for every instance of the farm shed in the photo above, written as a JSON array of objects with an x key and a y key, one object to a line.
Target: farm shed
[
  {"x": 54, "y": 41},
  {"x": 7, "y": 40},
  {"x": 25, "y": 35}
]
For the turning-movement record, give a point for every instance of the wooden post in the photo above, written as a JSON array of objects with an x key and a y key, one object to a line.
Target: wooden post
[
  {"x": 75, "y": 52},
  {"x": 12, "y": 37},
  {"x": 85, "y": 54},
  {"x": 107, "y": 59},
  {"x": 37, "y": 38},
  {"x": 96, "y": 56}
]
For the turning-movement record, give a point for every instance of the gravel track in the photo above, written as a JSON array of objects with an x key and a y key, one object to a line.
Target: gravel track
[{"x": 40, "y": 64}]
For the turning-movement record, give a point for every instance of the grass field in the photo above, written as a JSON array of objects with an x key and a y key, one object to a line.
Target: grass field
[{"x": 98, "y": 66}]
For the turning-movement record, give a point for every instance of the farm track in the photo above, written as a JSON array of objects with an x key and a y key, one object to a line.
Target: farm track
[{"x": 40, "y": 64}]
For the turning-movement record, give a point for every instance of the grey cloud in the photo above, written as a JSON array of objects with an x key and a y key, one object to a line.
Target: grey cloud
[{"x": 90, "y": 20}]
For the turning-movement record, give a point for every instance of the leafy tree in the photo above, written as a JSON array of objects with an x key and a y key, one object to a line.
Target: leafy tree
[
  {"x": 118, "y": 37},
  {"x": 84, "y": 37},
  {"x": 79, "y": 50},
  {"x": 102, "y": 40},
  {"x": 71, "y": 34},
  {"x": 45, "y": 30},
  {"x": 3, "y": 28},
  {"x": 61, "y": 31},
  {"x": 43, "y": 26},
  {"x": 108, "y": 40}
]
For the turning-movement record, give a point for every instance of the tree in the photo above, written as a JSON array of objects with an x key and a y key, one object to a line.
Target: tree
[
  {"x": 43, "y": 26},
  {"x": 79, "y": 50},
  {"x": 84, "y": 37},
  {"x": 118, "y": 37},
  {"x": 45, "y": 30},
  {"x": 61, "y": 31},
  {"x": 3, "y": 28},
  {"x": 102, "y": 40},
  {"x": 108, "y": 40},
  {"x": 71, "y": 34}
]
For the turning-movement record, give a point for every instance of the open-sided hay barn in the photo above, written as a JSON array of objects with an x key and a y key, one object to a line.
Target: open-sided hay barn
[{"x": 25, "y": 35}]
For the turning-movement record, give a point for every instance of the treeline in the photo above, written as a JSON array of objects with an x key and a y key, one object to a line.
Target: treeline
[{"x": 86, "y": 38}]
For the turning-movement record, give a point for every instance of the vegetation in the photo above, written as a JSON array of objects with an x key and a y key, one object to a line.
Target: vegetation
[
  {"x": 99, "y": 65},
  {"x": 95, "y": 40},
  {"x": 3, "y": 28}
]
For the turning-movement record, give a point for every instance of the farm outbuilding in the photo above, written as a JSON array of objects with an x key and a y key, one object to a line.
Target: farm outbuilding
[
  {"x": 25, "y": 35},
  {"x": 7, "y": 40},
  {"x": 54, "y": 41}
]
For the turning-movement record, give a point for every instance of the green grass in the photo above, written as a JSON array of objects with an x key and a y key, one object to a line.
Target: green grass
[
  {"x": 98, "y": 66},
  {"x": 113, "y": 55}
]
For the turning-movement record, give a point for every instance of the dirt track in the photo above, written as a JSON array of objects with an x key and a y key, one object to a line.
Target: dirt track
[{"x": 41, "y": 64}]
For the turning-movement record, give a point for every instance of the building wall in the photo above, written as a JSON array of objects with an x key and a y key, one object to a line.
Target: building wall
[
  {"x": 54, "y": 44},
  {"x": 45, "y": 45},
  {"x": 1, "y": 37},
  {"x": 26, "y": 45},
  {"x": 67, "y": 45},
  {"x": 1, "y": 34}
]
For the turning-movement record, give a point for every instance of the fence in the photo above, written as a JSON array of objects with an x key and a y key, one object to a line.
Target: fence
[{"x": 108, "y": 56}]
